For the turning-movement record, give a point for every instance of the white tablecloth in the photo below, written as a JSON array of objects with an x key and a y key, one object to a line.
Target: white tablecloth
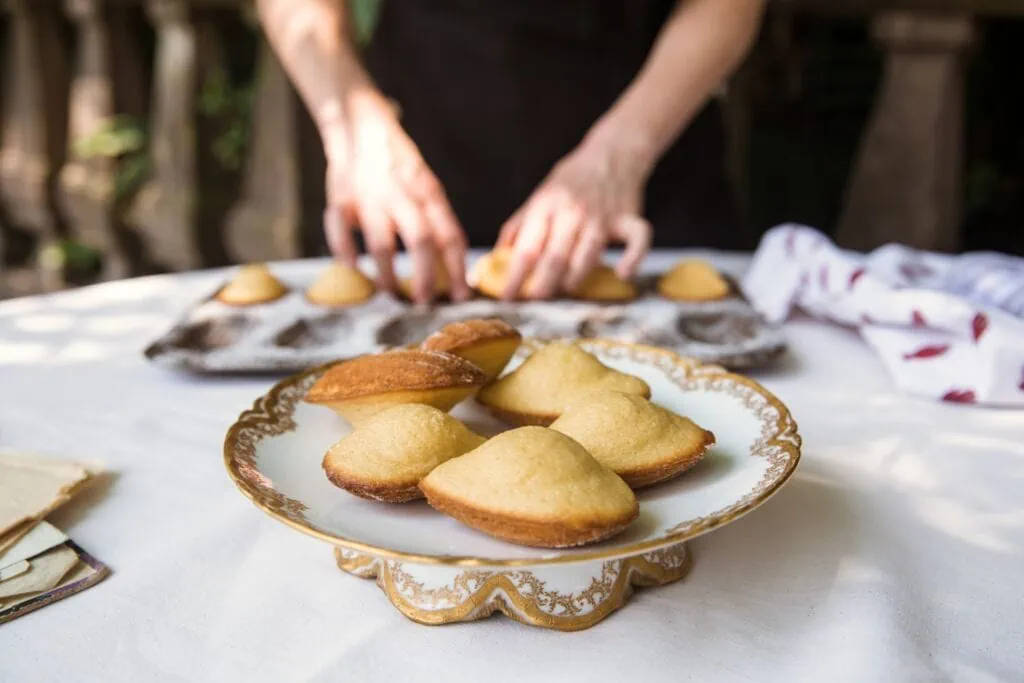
[{"x": 895, "y": 553}]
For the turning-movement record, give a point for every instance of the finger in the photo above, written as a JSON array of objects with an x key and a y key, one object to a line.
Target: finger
[
  {"x": 510, "y": 230},
  {"x": 339, "y": 235},
  {"x": 379, "y": 235},
  {"x": 636, "y": 233},
  {"x": 554, "y": 262},
  {"x": 451, "y": 241},
  {"x": 528, "y": 247},
  {"x": 418, "y": 239},
  {"x": 586, "y": 255}
]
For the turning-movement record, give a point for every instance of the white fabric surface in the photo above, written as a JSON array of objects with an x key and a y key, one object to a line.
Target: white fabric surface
[
  {"x": 895, "y": 553},
  {"x": 942, "y": 325}
]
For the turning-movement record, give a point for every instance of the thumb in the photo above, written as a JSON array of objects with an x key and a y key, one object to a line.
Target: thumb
[{"x": 636, "y": 233}]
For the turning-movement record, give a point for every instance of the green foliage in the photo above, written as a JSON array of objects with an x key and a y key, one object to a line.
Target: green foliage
[
  {"x": 69, "y": 256},
  {"x": 230, "y": 108},
  {"x": 117, "y": 136},
  {"x": 121, "y": 137},
  {"x": 364, "y": 16}
]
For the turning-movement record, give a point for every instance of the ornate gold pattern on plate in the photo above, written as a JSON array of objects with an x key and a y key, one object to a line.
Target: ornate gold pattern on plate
[
  {"x": 779, "y": 443},
  {"x": 520, "y": 594}
]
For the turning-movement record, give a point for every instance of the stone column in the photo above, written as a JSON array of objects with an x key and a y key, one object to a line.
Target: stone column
[
  {"x": 906, "y": 182},
  {"x": 265, "y": 223},
  {"x": 164, "y": 212},
  {"x": 34, "y": 81},
  {"x": 106, "y": 81}
]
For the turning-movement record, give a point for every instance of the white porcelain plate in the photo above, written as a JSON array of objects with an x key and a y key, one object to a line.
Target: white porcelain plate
[{"x": 419, "y": 556}]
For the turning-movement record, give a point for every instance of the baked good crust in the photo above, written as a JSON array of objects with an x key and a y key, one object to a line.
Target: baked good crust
[
  {"x": 543, "y": 418},
  {"x": 671, "y": 467},
  {"x": 324, "y": 290},
  {"x": 364, "y": 386},
  {"x": 711, "y": 286},
  {"x": 381, "y": 492},
  {"x": 385, "y": 459},
  {"x": 252, "y": 285},
  {"x": 456, "y": 336},
  {"x": 604, "y": 286},
  {"x": 488, "y": 343},
  {"x": 519, "y": 418},
  {"x": 442, "y": 283},
  {"x": 399, "y": 370},
  {"x": 550, "y": 533},
  {"x": 533, "y": 486}
]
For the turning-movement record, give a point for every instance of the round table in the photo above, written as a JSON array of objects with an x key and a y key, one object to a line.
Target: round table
[{"x": 894, "y": 554}]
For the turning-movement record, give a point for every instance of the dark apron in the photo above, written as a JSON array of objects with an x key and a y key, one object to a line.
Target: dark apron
[{"x": 495, "y": 93}]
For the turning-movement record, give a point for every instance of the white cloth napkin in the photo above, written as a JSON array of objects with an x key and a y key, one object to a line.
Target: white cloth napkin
[{"x": 946, "y": 327}]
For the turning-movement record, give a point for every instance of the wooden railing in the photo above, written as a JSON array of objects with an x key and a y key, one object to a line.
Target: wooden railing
[{"x": 105, "y": 144}]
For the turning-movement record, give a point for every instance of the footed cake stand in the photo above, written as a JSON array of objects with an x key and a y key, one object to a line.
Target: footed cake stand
[{"x": 437, "y": 571}]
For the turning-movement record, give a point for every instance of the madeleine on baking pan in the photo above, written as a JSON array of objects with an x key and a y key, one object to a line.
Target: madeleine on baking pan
[
  {"x": 442, "y": 282},
  {"x": 693, "y": 280},
  {"x": 540, "y": 389},
  {"x": 385, "y": 457},
  {"x": 490, "y": 273},
  {"x": 252, "y": 284},
  {"x": 340, "y": 285},
  {"x": 602, "y": 284},
  {"x": 533, "y": 486},
  {"x": 641, "y": 442},
  {"x": 363, "y": 386},
  {"x": 488, "y": 344}
]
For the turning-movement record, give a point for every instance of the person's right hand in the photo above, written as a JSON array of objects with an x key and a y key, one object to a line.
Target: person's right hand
[{"x": 378, "y": 181}]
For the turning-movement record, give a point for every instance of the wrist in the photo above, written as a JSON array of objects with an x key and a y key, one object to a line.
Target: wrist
[
  {"x": 627, "y": 147},
  {"x": 357, "y": 108}
]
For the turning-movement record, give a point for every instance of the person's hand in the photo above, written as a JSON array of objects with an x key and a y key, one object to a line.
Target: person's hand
[
  {"x": 591, "y": 197},
  {"x": 377, "y": 180}
]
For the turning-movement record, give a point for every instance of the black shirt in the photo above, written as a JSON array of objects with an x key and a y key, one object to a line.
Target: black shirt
[{"x": 495, "y": 93}]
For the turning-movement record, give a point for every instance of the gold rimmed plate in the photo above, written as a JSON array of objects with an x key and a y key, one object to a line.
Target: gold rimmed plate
[{"x": 437, "y": 571}]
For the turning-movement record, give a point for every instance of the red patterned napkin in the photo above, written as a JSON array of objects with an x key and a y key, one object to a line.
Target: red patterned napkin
[{"x": 943, "y": 325}]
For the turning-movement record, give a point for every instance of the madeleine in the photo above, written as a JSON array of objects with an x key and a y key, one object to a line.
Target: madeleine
[
  {"x": 533, "y": 486},
  {"x": 641, "y": 442},
  {"x": 539, "y": 390},
  {"x": 364, "y": 386}
]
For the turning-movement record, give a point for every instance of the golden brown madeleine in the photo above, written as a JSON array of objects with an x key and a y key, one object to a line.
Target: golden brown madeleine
[
  {"x": 340, "y": 284},
  {"x": 442, "y": 283},
  {"x": 540, "y": 389},
  {"x": 363, "y": 386},
  {"x": 641, "y": 442},
  {"x": 490, "y": 273},
  {"x": 385, "y": 457},
  {"x": 488, "y": 344},
  {"x": 533, "y": 486},
  {"x": 252, "y": 284},
  {"x": 693, "y": 280},
  {"x": 602, "y": 284}
]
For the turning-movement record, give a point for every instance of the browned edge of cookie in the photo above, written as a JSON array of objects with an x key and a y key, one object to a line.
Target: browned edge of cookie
[
  {"x": 379, "y": 492},
  {"x": 521, "y": 419},
  {"x": 246, "y": 304},
  {"x": 668, "y": 469},
  {"x": 350, "y": 304},
  {"x": 459, "y": 335},
  {"x": 731, "y": 290},
  {"x": 540, "y": 534},
  {"x": 394, "y": 371}
]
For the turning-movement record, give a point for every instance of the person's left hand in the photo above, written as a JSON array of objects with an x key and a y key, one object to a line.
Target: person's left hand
[{"x": 591, "y": 197}]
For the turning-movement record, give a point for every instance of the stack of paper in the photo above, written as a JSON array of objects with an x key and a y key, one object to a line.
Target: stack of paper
[{"x": 39, "y": 564}]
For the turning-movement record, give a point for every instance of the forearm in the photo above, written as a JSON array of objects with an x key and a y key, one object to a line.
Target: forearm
[
  {"x": 312, "y": 40},
  {"x": 701, "y": 44}
]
